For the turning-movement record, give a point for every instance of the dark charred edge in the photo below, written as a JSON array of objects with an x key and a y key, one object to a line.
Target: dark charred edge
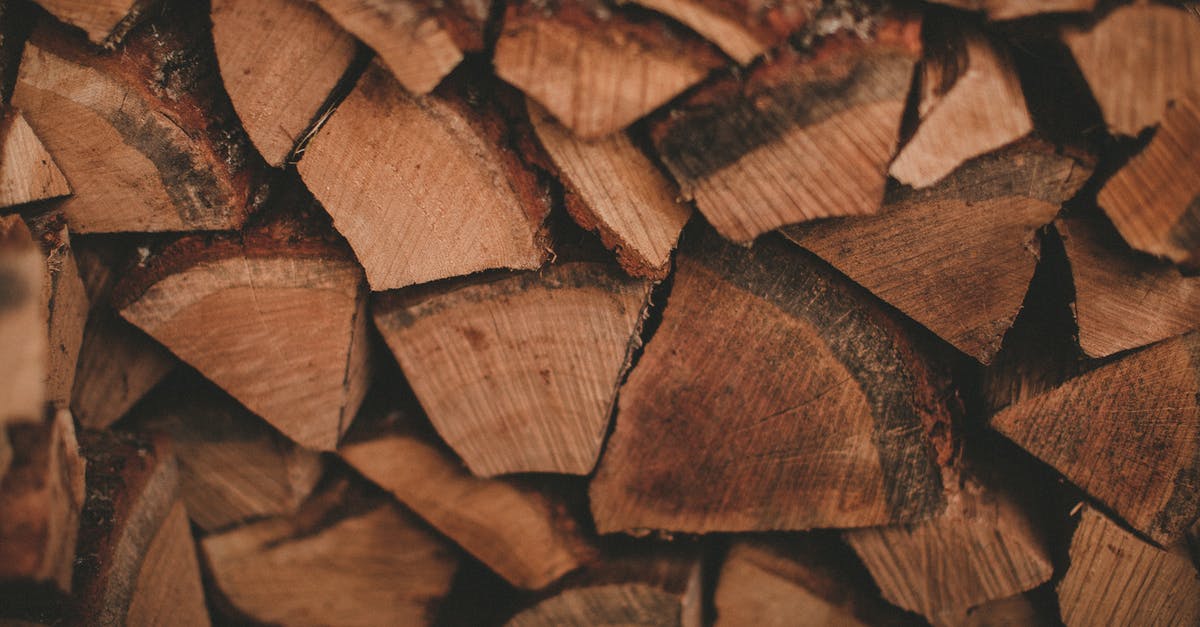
[
  {"x": 943, "y": 37},
  {"x": 129, "y": 22},
  {"x": 1182, "y": 508},
  {"x": 1059, "y": 100},
  {"x": 358, "y": 66},
  {"x": 904, "y": 394},
  {"x": 38, "y": 603}
]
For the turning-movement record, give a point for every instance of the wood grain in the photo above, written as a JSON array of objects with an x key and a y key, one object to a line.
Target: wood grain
[
  {"x": 742, "y": 29},
  {"x": 105, "y": 21},
  {"x": 518, "y": 372},
  {"x": 168, "y": 589},
  {"x": 27, "y": 172},
  {"x": 64, "y": 302}
]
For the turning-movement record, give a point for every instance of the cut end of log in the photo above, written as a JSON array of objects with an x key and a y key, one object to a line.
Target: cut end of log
[
  {"x": 105, "y": 21},
  {"x": 27, "y": 172},
  {"x": 741, "y": 29}
]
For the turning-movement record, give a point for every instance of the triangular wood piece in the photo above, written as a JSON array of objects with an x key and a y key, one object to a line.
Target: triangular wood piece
[
  {"x": 146, "y": 146},
  {"x": 347, "y": 558},
  {"x": 761, "y": 403},
  {"x": 27, "y": 172},
  {"x": 596, "y": 69},
  {"x": 616, "y": 191},
  {"x": 1124, "y": 300},
  {"x": 278, "y": 322},
  {"x": 806, "y": 135},
  {"x": 23, "y": 339},
  {"x": 1127, "y": 432},
  {"x": 1137, "y": 59},
  {"x": 279, "y": 61},
  {"x": 105, "y": 21},
  {"x": 971, "y": 104},
  {"x": 518, "y": 528},
  {"x": 436, "y": 193},
  {"x": 1154, "y": 200},
  {"x": 65, "y": 303},
  {"x": 742, "y": 29},
  {"x": 168, "y": 590},
  {"x": 518, "y": 372},
  {"x": 1117, "y": 579},
  {"x": 990, "y": 209},
  {"x": 1013, "y": 9},
  {"x": 983, "y": 547}
]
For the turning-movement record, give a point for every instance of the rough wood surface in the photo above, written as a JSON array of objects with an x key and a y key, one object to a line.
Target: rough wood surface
[
  {"x": 1013, "y": 9},
  {"x": 971, "y": 104},
  {"x": 145, "y": 137},
  {"x": 168, "y": 589},
  {"x": 233, "y": 467},
  {"x": 1127, "y": 432},
  {"x": 1015, "y": 611},
  {"x": 408, "y": 35},
  {"x": 1154, "y": 201},
  {"x": 27, "y": 172},
  {"x": 1124, "y": 300},
  {"x": 279, "y": 61},
  {"x": 912, "y": 253},
  {"x": 742, "y": 29},
  {"x": 1117, "y": 579},
  {"x": 774, "y": 395},
  {"x": 327, "y": 565},
  {"x": 65, "y": 303},
  {"x": 23, "y": 339},
  {"x": 422, "y": 190},
  {"x": 524, "y": 532},
  {"x": 518, "y": 372},
  {"x": 105, "y": 21},
  {"x": 597, "y": 69},
  {"x": 1137, "y": 59},
  {"x": 118, "y": 364},
  {"x": 807, "y": 135},
  {"x": 983, "y": 547},
  {"x": 616, "y": 191}
]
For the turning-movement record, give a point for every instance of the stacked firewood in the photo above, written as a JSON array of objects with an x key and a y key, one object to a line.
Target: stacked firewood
[{"x": 574, "y": 312}]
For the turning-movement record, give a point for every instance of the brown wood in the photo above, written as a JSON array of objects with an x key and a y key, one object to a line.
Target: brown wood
[
  {"x": 911, "y": 253},
  {"x": 1154, "y": 201},
  {"x": 1015, "y": 611},
  {"x": 759, "y": 404},
  {"x": 65, "y": 304},
  {"x": 105, "y": 21},
  {"x": 168, "y": 589},
  {"x": 233, "y": 467},
  {"x": 742, "y": 29},
  {"x": 518, "y": 372},
  {"x": 616, "y": 191},
  {"x": 1137, "y": 59},
  {"x": 983, "y": 547},
  {"x": 145, "y": 137},
  {"x": 27, "y": 172},
  {"x": 1117, "y": 579},
  {"x": 23, "y": 339},
  {"x": 279, "y": 60},
  {"x": 1124, "y": 300},
  {"x": 807, "y": 135},
  {"x": 1127, "y": 432},
  {"x": 344, "y": 559},
  {"x": 971, "y": 104},
  {"x": 1013, "y": 9},
  {"x": 435, "y": 194},
  {"x": 597, "y": 69}
]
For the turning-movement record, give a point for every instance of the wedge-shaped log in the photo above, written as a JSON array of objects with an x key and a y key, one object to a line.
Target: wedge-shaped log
[
  {"x": 596, "y": 69},
  {"x": 106, "y": 22},
  {"x": 27, "y": 172},
  {"x": 425, "y": 189},
  {"x": 279, "y": 60},
  {"x": 518, "y": 372},
  {"x": 991, "y": 209},
  {"x": 807, "y": 135},
  {"x": 1117, "y": 579},
  {"x": 65, "y": 303},
  {"x": 1127, "y": 432},
  {"x": 742, "y": 29},
  {"x": 146, "y": 137},
  {"x": 775, "y": 395}
]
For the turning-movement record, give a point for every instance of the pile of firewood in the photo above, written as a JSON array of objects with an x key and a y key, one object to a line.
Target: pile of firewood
[{"x": 582, "y": 312}]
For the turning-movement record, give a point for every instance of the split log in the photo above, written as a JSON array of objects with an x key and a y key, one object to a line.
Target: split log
[
  {"x": 1124, "y": 300},
  {"x": 912, "y": 253},
  {"x": 233, "y": 467},
  {"x": 23, "y": 339},
  {"x": 106, "y": 22},
  {"x": 168, "y": 590},
  {"x": 971, "y": 104},
  {"x": 146, "y": 137},
  {"x": 1117, "y": 579},
  {"x": 597, "y": 69},
  {"x": 518, "y": 372},
  {"x": 344, "y": 559},
  {"x": 982, "y": 548},
  {"x": 65, "y": 304},
  {"x": 425, "y": 189},
  {"x": 279, "y": 60},
  {"x": 775, "y": 395},
  {"x": 27, "y": 172},
  {"x": 1154, "y": 201},
  {"x": 777, "y": 583},
  {"x": 807, "y": 135},
  {"x": 276, "y": 318},
  {"x": 1013, "y": 9},
  {"x": 742, "y": 29},
  {"x": 527, "y": 534},
  {"x": 616, "y": 191},
  {"x": 1137, "y": 59},
  {"x": 632, "y": 585},
  {"x": 1128, "y": 433}
]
